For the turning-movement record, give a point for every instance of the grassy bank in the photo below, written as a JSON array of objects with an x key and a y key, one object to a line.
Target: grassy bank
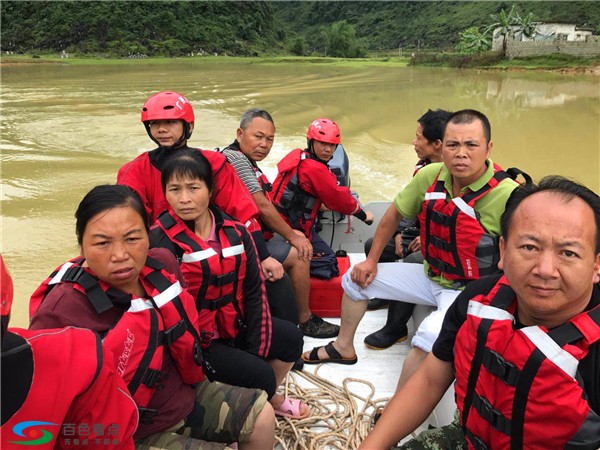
[
  {"x": 431, "y": 59},
  {"x": 83, "y": 60},
  {"x": 496, "y": 61}
]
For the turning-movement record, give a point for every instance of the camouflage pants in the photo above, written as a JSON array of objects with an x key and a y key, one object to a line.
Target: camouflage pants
[
  {"x": 222, "y": 414},
  {"x": 448, "y": 437}
]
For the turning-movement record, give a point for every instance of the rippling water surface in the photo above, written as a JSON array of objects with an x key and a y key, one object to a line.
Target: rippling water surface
[{"x": 67, "y": 128}]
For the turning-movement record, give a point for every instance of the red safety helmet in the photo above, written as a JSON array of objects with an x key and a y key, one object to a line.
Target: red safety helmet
[
  {"x": 324, "y": 130},
  {"x": 169, "y": 106}
]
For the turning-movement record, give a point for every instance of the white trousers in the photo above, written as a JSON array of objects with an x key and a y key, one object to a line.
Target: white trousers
[{"x": 408, "y": 283}]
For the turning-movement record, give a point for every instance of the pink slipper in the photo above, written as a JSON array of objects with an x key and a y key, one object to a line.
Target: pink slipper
[{"x": 291, "y": 408}]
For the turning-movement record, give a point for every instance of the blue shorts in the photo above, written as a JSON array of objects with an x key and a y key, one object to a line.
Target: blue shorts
[{"x": 279, "y": 248}]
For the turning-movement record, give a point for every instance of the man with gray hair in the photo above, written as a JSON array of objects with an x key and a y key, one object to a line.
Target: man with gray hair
[{"x": 254, "y": 139}]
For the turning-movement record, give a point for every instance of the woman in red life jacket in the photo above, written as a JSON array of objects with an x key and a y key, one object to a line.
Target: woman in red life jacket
[
  {"x": 128, "y": 295},
  {"x": 58, "y": 380},
  {"x": 219, "y": 262}
]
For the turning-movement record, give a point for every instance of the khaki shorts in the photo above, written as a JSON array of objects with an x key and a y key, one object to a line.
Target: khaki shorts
[{"x": 222, "y": 414}]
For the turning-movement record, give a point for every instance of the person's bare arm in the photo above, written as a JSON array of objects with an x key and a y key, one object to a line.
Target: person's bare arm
[
  {"x": 271, "y": 218},
  {"x": 364, "y": 272},
  {"x": 409, "y": 407}
]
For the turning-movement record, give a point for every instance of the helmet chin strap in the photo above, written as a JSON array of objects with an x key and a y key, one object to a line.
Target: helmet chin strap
[{"x": 184, "y": 137}]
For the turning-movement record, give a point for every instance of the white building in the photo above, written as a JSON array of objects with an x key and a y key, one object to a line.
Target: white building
[{"x": 546, "y": 32}]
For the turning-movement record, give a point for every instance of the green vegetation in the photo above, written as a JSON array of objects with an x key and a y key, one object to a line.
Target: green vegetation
[
  {"x": 347, "y": 29},
  {"x": 125, "y": 28}
]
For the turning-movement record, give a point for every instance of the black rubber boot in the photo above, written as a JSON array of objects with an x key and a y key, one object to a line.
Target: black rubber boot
[
  {"x": 395, "y": 329},
  {"x": 377, "y": 303}
]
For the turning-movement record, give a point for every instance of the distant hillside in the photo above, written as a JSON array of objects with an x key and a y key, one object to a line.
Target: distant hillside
[
  {"x": 169, "y": 28},
  {"x": 386, "y": 25},
  {"x": 174, "y": 28}
]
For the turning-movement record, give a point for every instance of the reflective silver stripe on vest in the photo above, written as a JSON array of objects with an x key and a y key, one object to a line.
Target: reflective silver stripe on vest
[
  {"x": 198, "y": 256},
  {"x": 563, "y": 359},
  {"x": 139, "y": 304},
  {"x": 232, "y": 251},
  {"x": 488, "y": 312},
  {"x": 248, "y": 223},
  {"x": 464, "y": 207},
  {"x": 435, "y": 196},
  {"x": 168, "y": 294},
  {"x": 58, "y": 277}
]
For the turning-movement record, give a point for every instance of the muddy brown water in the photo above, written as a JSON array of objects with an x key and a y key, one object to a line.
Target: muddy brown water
[{"x": 67, "y": 128}]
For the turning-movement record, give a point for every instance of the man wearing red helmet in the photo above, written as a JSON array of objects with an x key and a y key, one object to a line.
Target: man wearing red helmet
[
  {"x": 304, "y": 183},
  {"x": 169, "y": 121},
  {"x": 57, "y": 385}
]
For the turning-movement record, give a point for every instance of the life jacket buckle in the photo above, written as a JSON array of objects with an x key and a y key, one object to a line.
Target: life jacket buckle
[
  {"x": 73, "y": 274},
  {"x": 498, "y": 366},
  {"x": 174, "y": 333},
  {"x": 154, "y": 379}
]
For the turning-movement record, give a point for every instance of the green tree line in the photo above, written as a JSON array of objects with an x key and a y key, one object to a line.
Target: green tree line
[
  {"x": 170, "y": 28},
  {"x": 331, "y": 28}
]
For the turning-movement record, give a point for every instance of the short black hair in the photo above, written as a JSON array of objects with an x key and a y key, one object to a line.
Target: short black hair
[
  {"x": 103, "y": 198},
  {"x": 562, "y": 186},
  {"x": 465, "y": 116},
  {"x": 252, "y": 114},
  {"x": 433, "y": 123},
  {"x": 189, "y": 163}
]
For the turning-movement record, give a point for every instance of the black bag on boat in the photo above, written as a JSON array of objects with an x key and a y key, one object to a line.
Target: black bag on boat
[{"x": 324, "y": 266}]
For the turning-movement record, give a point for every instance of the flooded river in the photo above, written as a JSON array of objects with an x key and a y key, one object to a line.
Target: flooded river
[{"x": 67, "y": 128}]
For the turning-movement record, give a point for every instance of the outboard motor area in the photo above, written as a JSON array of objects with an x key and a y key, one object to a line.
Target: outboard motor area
[{"x": 340, "y": 166}]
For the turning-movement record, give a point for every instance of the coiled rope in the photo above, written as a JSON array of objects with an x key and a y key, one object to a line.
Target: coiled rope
[{"x": 340, "y": 418}]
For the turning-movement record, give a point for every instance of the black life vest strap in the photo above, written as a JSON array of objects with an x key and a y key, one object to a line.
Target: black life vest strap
[
  {"x": 223, "y": 279},
  {"x": 568, "y": 332},
  {"x": 166, "y": 220},
  {"x": 157, "y": 266},
  {"x": 440, "y": 243},
  {"x": 503, "y": 298},
  {"x": 498, "y": 366},
  {"x": 175, "y": 332},
  {"x": 491, "y": 415},
  {"x": 439, "y": 218},
  {"x": 94, "y": 292},
  {"x": 213, "y": 305},
  {"x": 528, "y": 374},
  {"x": 476, "y": 441},
  {"x": 154, "y": 379},
  {"x": 234, "y": 239},
  {"x": 468, "y": 197}
]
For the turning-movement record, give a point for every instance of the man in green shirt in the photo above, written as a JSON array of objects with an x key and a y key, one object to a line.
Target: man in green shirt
[{"x": 459, "y": 203}]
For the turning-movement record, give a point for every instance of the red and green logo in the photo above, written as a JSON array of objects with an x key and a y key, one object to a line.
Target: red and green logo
[{"x": 33, "y": 433}]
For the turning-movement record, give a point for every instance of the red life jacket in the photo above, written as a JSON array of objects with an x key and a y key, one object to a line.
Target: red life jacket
[
  {"x": 453, "y": 241},
  {"x": 215, "y": 281},
  {"x": 64, "y": 368},
  {"x": 297, "y": 207},
  {"x": 166, "y": 318},
  {"x": 520, "y": 388}
]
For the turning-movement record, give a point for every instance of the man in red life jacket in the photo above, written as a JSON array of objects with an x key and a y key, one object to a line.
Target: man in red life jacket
[
  {"x": 59, "y": 386},
  {"x": 524, "y": 347},
  {"x": 459, "y": 203},
  {"x": 406, "y": 243},
  {"x": 169, "y": 121},
  {"x": 291, "y": 247}
]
